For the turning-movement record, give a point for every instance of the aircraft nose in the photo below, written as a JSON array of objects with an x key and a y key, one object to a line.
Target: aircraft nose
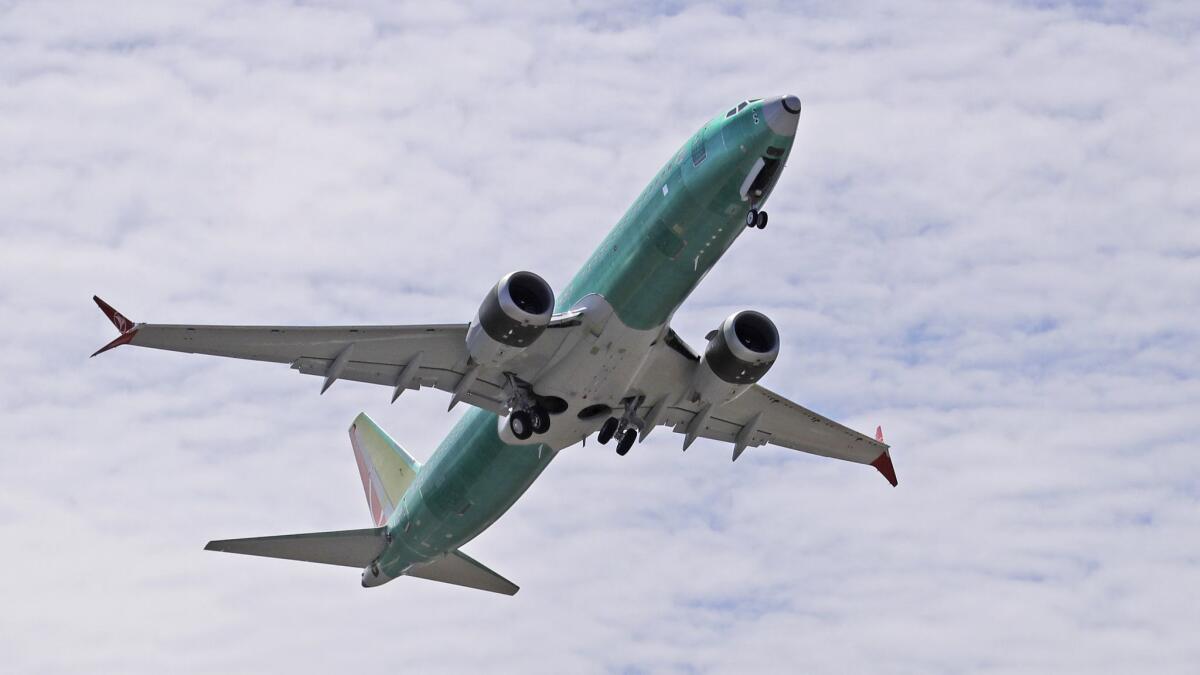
[{"x": 782, "y": 113}]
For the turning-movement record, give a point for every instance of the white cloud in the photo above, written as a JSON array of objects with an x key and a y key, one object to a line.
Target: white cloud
[{"x": 985, "y": 240}]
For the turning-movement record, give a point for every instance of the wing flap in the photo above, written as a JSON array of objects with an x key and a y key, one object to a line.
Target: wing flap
[{"x": 484, "y": 393}]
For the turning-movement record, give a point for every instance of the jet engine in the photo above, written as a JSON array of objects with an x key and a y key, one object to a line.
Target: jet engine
[
  {"x": 738, "y": 354},
  {"x": 514, "y": 314}
]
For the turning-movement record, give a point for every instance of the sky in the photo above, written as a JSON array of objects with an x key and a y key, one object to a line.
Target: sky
[{"x": 986, "y": 240}]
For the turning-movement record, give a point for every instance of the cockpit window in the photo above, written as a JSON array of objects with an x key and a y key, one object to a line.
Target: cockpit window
[
  {"x": 741, "y": 105},
  {"x": 731, "y": 111}
]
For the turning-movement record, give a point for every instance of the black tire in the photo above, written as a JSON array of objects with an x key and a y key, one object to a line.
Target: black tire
[
  {"x": 762, "y": 220},
  {"x": 627, "y": 441},
  {"x": 752, "y": 218},
  {"x": 607, "y": 430},
  {"x": 520, "y": 425},
  {"x": 539, "y": 418}
]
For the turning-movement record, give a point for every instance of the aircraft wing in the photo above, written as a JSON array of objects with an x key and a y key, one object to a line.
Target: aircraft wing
[
  {"x": 400, "y": 357},
  {"x": 758, "y": 417}
]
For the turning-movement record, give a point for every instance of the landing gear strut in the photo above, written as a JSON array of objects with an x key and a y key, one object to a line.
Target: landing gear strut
[
  {"x": 528, "y": 415},
  {"x": 756, "y": 218},
  {"x": 625, "y": 428}
]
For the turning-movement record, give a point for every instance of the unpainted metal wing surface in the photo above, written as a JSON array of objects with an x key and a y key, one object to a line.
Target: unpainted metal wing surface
[
  {"x": 759, "y": 416},
  {"x": 398, "y": 357},
  {"x": 376, "y": 354}
]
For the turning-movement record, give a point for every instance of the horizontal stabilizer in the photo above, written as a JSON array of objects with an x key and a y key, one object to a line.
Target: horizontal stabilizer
[
  {"x": 462, "y": 570},
  {"x": 349, "y": 548}
]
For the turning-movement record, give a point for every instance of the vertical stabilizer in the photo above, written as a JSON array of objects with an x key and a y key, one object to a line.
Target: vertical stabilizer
[{"x": 385, "y": 468}]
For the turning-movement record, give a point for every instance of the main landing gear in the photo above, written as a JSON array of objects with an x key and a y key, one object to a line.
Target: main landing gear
[
  {"x": 624, "y": 429},
  {"x": 525, "y": 423},
  {"x": 612, "y": 428},
  {"x": 756, "y": 218},
  {"x": 530, "y": 412}
]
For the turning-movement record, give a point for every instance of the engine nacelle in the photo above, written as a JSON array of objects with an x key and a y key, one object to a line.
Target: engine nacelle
[
  {"x": 512, "y": 316},
  {"x": 738, "y": 354}
]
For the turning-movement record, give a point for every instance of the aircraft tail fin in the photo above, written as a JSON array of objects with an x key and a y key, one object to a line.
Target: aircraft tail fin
[
  {"x": 462, "y": 570},
  {"x": 385, "y": 468},
  {"x": 349, "y": 548}
]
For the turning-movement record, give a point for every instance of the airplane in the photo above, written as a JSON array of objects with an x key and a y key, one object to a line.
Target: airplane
[{"x": 542, "y": 372}]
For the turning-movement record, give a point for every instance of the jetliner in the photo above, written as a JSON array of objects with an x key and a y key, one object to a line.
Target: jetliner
[{"x": 542, "y": 373}]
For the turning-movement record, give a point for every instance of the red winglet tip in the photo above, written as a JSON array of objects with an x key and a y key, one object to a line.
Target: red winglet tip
[
  {"x": 119, "y": 320},
  {"x": 884, "y": 464},
  {"x": 879, "y": 433},
  {"x": 122, "y": 339}
]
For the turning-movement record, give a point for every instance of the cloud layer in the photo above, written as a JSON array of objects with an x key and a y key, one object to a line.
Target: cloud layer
[{"x": 986, "y": 241}]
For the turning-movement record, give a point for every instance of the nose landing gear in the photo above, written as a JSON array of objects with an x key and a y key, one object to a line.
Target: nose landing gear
[{"x": 756, "y": 218}]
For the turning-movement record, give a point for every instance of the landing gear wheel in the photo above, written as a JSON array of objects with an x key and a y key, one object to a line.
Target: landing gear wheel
[
  {"x": 627, "y": 441},
  {"x": 762, "y": 220},
  {"x": 752, "y": 218},
  {"x": 539, "y": 418},
  {"x": 607, "y": 430},
  {"x": 520, "y": 425}
]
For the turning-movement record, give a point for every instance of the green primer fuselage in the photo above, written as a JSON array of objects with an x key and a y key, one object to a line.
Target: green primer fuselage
[{"x": 675, "y": 231}]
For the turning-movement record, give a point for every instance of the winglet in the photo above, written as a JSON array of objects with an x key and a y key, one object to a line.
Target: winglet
[
  {"x": 118, "y": 319},
  {"x": 127, "y": 328},
  {"x": 884, "y": 461}
]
